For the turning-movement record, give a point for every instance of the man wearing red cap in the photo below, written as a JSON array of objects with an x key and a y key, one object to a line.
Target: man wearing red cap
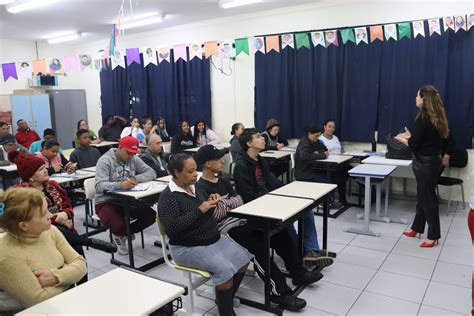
[{"x": 121, "y": 169}]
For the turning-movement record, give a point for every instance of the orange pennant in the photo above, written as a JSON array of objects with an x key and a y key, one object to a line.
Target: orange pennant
[
  {"x": 376, "y": 32},
  {"x": 210, "y": 48},
  {"x": 273, "y": 42},
  {"x": 39, "y": 65}
]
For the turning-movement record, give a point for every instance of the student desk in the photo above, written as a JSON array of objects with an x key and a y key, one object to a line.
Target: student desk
[
  {"x": 129, "y": 199},
  {"x": 118, "y": 292},
  {"x": 105, "y": 144},
  {"x": 369, "y": 171},
  {"x": 279, "y": 154},
  {"x": 90, "y": 169},
  {"x": 168, "y": 177},
  {"x": 218, "y": 146},
  {"x": 270, "y": 214},
  {"x": 316, "y": 192},
  {"x": 80, "y": 174},
  {"x": 8, "y": 172}
]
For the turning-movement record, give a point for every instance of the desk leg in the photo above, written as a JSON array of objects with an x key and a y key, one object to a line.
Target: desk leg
[
  {"x": 365, "y": 230},
  {"x": 129, "y": 237},
  {"x": 300, "y": 237},
  {"x": 325, "y": 223},
  {"x": 266, "y": 244},
  {"x": 389, "y": 219}
]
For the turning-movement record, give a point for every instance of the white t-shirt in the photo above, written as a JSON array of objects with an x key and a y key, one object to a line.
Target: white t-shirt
[{"x": 333, "y": 144}]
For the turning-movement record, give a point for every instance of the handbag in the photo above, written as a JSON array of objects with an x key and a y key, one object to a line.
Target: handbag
[{"x": 397, "y": 150}]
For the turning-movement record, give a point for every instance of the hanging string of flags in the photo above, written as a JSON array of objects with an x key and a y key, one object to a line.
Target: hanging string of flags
[{"x": 113, "y": 56}]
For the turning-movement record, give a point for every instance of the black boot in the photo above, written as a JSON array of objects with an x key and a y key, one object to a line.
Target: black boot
[
  {"x": 103, "y": 245},
  {"x": 289, "y": 302},
  {"x": 224, "y": 300}
]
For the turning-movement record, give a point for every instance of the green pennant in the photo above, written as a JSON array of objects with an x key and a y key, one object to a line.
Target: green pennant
[
  {"x": 404, "y": 30},
  {"x": 241, "y": 45},
  {"x": 302, "y": 40},
  {"x": 111, "y": 45},
  {"x": 347, "y": 35}
]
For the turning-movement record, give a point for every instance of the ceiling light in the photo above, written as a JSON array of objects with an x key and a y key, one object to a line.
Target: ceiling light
[
  {"x": 23, "y": 5},
  {"x": 3, "y": 2},
  {"x": 140, "y": 16},
  {"x": 65, "y": 38},
  {"x": 142, "y": 22},
  {"x": 236, "y": 3}
]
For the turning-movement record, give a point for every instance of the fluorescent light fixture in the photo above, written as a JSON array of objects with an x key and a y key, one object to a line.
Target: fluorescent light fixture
[
  {"x": 65, "y": 38},
  {"x": 3, "y": 2},
  {"x": 142, "y": 22},
  {"x": 140, "y": 16},
  {"x": 24, "y": 5},
  {"x": 236, "y": 3}
]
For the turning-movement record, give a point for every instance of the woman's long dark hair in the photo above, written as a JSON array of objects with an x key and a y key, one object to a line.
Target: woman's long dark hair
[{"x": 433, "y": 108}]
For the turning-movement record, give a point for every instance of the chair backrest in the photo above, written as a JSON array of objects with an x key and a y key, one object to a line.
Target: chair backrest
[{"x": 89, "y": 188}]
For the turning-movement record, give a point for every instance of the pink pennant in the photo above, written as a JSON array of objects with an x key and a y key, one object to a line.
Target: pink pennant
[
  {"x": 71, "y": 63},
  {"x": 180, "y": 52}
]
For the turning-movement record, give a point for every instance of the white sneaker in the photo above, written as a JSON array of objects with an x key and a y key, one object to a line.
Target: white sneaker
[{"x": 121, "y": 242}]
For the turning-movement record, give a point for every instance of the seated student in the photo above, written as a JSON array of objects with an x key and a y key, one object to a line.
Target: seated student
[
  {"x": 55, "y": 162},
  {"x": 82, "y": 124},
  {"x": 211, "y": 159},
  {"x": 161, "y": 130},
  {"x": 148, "y": 128},
  {"x": 309, "y": 149},
  {"x": 36, "y": 262},
  {"x": 154, "y": 155},
  {"x": 235, "y": 148},
  {"x": 112, "y": 128},
  {"x": 25, "y": 135},
  {"x": 120, "y": 168},
  {"x": 8, "y": 144},
  {"x": 274, "y": 141},
  {"x": 330, "y": 140},
  {"x": 253, "y": 179},
  {"x": 133, "y": 130},
  {"x": 4, "y": 128},
  {"x": 194, "y": 239},
  {"x": 84, "y": 155},
  {"x": 48, "y": 134},
  {"x": 203, "y": 134},
  {"x": 183, "y": 140}
]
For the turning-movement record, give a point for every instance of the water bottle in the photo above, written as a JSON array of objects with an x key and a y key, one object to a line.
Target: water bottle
[
  {"x": 203, "y": 140},
  {"x": 374, "y": 142}
]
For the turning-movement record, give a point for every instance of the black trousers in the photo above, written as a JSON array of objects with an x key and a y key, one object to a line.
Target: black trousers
[
  {"x": 283, "y": 245},
  {"x": 426, "y": 169}
]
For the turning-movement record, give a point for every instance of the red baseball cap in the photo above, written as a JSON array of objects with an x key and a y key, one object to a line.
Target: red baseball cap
[{"x": 130, "y": 144}]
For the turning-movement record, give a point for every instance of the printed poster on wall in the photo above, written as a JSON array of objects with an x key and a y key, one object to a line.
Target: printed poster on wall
[
  {"x": 24, "y": 70},
  {"x": 86, "y": 62},
  {"x": 55, "y": 66}
]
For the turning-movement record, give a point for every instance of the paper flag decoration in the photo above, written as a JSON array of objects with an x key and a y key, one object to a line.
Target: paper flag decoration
[
  {"x": 163, "y": 54},
  {"x": 347, "y": 35},
  {"x": 118, "y": 60},
  {"x": 302, "y": 40},
  {"x": 149, "y": 56},
  {"x": 361, "y": 35},
  {"x": 390, "y": 31},
  {"x": 460, "y": 23},
  {"x": 55, "y": 66},
  {"x": 258, "y": 44},
  {"x": 71, "y": 64},
  {"x": 376, "y": 32},
  {"x": 226, "y": 49},
  {"x": 470, "y": 21},
  {"x": 24, "y": 69},
  {"x": 210, "y": 48},
  {"x": 404, "y": 30},
  {"x": 272, "y": 42},
  {"x": 9, "y": 71},
  {"x": 318, "y": 39},
  {"x": 434, "y": 26},
  {"x": 448, "y": 23},
  {"x": 195, "y": 50},
  {"x": 287, "y": 40},
  {"x": 86, "y": 62},
  {"x": 39, "y": 65},
  {"x": 331, "y": 38},
  {"x": 242, "y": 45},
  {"x": 133, "y": 56},
  {"x": 418, "y": 28},
  {"x": 179, "y": 51},
  {"x": 98, "y": 63}
]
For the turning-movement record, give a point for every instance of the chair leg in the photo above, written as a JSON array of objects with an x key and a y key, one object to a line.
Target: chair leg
[
  {"x": 190, "y": 296},
  {"x": 143, "y": 240},
  {"x": 449, "y": 201},
  {"x": 462, "y": 194}
]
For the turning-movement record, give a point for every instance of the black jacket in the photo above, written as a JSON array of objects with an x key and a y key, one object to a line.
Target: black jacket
[
  {"x": 271, "y": 139},
  {"x": 305, "y": 156},
  {"x": 245, "y": 177},
  {"x": 181, "y": 142},
  {"x": 151, "y": 160}
]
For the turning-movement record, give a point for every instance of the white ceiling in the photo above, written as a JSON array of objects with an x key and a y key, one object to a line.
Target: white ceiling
[{"x": 94, "y": 18}]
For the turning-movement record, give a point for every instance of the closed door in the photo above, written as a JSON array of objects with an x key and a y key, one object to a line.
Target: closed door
[
  {"x": 21, "y": 110},
  {"x": 41, "y": 113}
]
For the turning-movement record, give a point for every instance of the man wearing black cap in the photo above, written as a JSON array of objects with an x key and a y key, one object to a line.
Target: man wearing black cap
[
  {"x": 211, "y": 160},
  {"x": 8, "y": 143}
]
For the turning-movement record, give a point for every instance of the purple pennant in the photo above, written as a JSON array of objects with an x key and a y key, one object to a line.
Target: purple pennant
[
  {"x": 133, "y": 55},
  {"x": 9, "y": 70}
]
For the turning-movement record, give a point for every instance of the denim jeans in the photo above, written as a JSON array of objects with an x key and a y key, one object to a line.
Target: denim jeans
[{"x": 310, "y": 235}]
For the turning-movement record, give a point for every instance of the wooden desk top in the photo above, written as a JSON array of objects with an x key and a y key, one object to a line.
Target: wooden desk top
[
  {"x": 308, "y": 190},
  {"x": 277, "y": 154},
  {"x": 371, "y": 170},
  {"x": 377, "y": 160},
  {"x": 338, "y": 159},
  {"x": 154, "y": 187},
  {"x": 104, "y": 144},
  {"x": 78, "y": 175}
]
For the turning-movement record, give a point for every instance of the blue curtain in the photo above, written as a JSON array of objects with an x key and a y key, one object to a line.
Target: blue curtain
[
  {"x": 115, "y": 92},
  {"x": 177, "y": 91},
  {"x": 367, "y": 87}
]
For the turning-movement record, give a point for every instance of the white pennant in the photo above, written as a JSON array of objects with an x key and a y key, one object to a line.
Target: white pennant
[{"x": 418, "y": 28}]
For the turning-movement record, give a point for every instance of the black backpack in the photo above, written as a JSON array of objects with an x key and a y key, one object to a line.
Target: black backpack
[
  {"x": 458, "y": 157},
  {"x": 397, "y": 150}
]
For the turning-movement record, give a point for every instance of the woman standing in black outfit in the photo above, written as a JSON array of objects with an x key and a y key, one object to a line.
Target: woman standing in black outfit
[{"x": 424, "y": 139}]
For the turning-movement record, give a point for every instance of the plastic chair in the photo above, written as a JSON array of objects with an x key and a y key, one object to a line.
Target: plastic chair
[{"x": 450, "y": 182}]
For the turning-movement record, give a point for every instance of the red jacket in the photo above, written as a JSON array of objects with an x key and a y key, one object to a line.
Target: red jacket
[{"x": 25, "y": 138}]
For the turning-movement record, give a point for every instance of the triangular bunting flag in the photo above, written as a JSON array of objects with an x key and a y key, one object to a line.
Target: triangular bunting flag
[
  {"x": 71, "y": 64},
  {"x": 460, "y": 23},
  {"x": 133, "y": 56},
  {"x": 347, "y": 35},
  {"x": 9, "y": 71},
  {"x": 39, "y": 65},
  {"x": 434, "y": 26},
  {"x": 86, "y": 62},
  {"x": 55, "y": 66},
  {"x": 302, "y": 40},
  {"x": 226, "y": 49},
  {"x": 331, "y": 38},
  {"x": 470, "y": 21},
  {"x": 361, "y": 35},
  {"x": 318, "y": 39},
  {"x": 195, "y": 50},
  {"x": 287, "y": 40},
  {"x": 404, "y": 30},
  {"x": 24, "y": 70},
  {"x": 418, "y": 28},
  {"x": 163, "y": 54},
  {"x": 376, "y": 32},
  {"x": 258, "y": 44},
  {"x": 272, "y": 42},
  {"x": 242, "y": 45},
  {"x": 149, "y": 56},
  {"x": 448, "y": 23},
  {"x": 390, "y": 31},
  {"x": 210, "y": 48},
  {"x": 179, "y": 51},
  {"x": 118, "y": 60}
]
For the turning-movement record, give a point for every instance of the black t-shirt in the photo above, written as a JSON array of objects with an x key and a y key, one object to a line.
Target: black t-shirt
[
  {"x": 425, "y": 139},
  {"x": 222, "y": 187}
]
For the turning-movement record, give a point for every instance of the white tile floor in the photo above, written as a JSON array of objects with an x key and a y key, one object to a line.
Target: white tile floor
[{"x": 382, "y": 275}]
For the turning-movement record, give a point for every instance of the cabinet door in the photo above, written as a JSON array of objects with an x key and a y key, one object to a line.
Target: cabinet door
[
  {"x": 41, "y": 113},
  {"x": 21, "y": 110}
]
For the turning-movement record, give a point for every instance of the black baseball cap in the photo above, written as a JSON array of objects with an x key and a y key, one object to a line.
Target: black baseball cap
[{"x": 209, "y": 152}]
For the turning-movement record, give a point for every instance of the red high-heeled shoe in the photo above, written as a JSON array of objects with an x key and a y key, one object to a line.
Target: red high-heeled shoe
[
  {"x": 429, "y": 244},
  {"x": 412, "y": 233}
]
